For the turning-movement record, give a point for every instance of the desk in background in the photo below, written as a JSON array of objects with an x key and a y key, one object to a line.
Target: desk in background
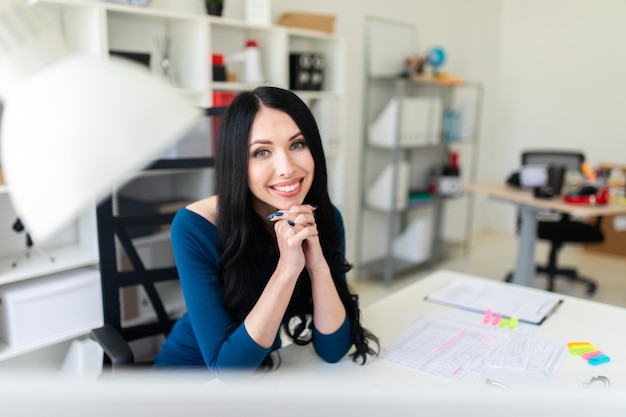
[{"x": 530, "y": 206}]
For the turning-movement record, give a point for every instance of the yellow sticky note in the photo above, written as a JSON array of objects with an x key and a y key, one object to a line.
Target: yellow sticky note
[
  {"x": 580, "y": 349},
  {"x": 575, "y": 344}
]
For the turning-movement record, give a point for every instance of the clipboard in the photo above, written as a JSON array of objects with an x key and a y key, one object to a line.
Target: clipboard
[{"x": 527, "y": 305}]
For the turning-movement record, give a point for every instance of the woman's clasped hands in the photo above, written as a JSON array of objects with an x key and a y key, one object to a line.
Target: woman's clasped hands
[
  {"x": 296, "y": 234},
  {"x": 295, "y": 225}
]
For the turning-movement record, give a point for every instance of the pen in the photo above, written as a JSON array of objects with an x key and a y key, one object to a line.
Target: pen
[{"x": 496, "y": 383}]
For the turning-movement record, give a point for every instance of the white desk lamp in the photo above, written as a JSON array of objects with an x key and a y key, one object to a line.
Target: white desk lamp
[{"x": 74, "y": 126}]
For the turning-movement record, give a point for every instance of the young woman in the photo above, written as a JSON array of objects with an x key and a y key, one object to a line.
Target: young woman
[{"x": 267, "y": 250}]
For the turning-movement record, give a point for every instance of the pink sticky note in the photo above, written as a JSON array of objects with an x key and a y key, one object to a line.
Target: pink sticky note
[
  {"x": 589, "y": 355},
  {"x": 488, "y": 314},
  {"x": 496, "y": 319}
]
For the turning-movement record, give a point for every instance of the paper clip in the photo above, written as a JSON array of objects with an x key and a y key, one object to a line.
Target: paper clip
[{"x": 601, "y": 379}]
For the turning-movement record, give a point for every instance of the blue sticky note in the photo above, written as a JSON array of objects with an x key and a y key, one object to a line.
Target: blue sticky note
[{"x": 597, "y": 360}]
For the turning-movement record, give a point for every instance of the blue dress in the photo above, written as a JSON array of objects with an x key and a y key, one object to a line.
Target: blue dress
[{"x": 204, "y": 336}]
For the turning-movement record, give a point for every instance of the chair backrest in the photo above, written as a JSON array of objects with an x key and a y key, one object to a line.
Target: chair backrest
[
  {"x": 561, "y": 166},
  {"x": 136, "y": 263},
  {"x": 571, "y": 160}
]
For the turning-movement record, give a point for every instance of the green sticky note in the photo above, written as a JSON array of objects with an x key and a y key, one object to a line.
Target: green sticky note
[{"x": 580, "y": 349}]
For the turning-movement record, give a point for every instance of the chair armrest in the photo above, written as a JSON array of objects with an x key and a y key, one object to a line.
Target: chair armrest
[{"x": 114, "y": 345}]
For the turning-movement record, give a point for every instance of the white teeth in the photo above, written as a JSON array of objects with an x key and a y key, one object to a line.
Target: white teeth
[{"x": 286, "y": 189}]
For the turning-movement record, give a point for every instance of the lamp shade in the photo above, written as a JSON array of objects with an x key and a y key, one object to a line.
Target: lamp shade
[{"x": 75, "y": 126}]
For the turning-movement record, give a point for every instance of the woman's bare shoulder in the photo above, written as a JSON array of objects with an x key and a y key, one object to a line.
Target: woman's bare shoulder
[{"x": 207, "y": 208}]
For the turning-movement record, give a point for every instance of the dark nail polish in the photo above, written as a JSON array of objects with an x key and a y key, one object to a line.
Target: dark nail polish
[
  {"x": 274, "y": 214},
  {"x": 290, "y": 223}
]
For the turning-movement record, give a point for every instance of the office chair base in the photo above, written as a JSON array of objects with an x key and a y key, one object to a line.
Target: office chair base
[{"x": 570, "y": 274}]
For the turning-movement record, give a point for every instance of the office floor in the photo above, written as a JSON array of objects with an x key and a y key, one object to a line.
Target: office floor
[{"x": 492, "y": 255}]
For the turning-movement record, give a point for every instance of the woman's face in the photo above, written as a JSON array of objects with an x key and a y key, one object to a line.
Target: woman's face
[{"x": 280, "y": 164}]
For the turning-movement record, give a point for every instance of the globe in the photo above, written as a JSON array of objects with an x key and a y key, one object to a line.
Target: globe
[{"x": 436, "y": 57}]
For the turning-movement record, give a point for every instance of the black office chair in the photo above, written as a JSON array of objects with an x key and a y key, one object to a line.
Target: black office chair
[
  {"x": 125, "y": 277},
  {"x": 564, "y": 230}
]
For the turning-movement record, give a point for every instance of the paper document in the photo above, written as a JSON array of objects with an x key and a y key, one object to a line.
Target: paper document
[
  {"x": 506, "y": 300},
  {"x": 461, "y": 348}
]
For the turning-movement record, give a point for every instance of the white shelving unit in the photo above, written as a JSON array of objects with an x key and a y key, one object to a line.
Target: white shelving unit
[
  {"x": 406, "y": 145},
  {"x": 95, "y": 28}
]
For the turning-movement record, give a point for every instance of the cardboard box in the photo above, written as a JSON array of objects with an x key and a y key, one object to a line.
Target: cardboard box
[
  {"x": 311, "y": 21},
  {"x": 614, "y": 229},
  {"x": 59, "y": 305}
]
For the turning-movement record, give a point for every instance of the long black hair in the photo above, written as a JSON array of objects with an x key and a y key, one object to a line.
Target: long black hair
[{"x": 243, "y": 238}]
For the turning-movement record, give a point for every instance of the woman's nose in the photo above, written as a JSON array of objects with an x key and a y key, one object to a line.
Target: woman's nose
[{"x": 284, "y": 165}]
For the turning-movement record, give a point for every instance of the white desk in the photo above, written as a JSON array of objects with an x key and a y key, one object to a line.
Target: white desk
[
  {"x": 530, "y": 206},
  {"x": 575, "y": 320},
  {"x": 306, "y": 387}
]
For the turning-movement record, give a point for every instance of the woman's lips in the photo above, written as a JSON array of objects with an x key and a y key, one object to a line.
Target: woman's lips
[{"x": 288, "y": 188}]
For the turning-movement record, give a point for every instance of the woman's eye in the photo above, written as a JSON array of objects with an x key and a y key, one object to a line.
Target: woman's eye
[
  {"x": 298, "y": 145},
  {"x": 261, "y": 153}
]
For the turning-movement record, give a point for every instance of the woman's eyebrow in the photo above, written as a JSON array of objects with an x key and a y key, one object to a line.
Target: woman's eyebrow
[
  {"x": 260, "y": 142},
  {"x": 269, "y": 142}
]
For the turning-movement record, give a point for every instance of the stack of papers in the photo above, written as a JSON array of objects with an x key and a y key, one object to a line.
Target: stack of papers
[
  {"x": 460, "y": 347},
  {"x": 500, "y": 343}
]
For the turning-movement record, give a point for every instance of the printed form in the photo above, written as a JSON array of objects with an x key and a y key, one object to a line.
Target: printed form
[{"x": 460, "y": 346}]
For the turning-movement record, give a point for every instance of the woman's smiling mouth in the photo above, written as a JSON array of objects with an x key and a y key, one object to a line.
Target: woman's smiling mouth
[{"x": 287, "y": 188}]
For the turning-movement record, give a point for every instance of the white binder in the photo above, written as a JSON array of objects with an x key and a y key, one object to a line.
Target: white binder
[
  {"x": 380, "y": 192},
  {"x": 420, "y": 122}
]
